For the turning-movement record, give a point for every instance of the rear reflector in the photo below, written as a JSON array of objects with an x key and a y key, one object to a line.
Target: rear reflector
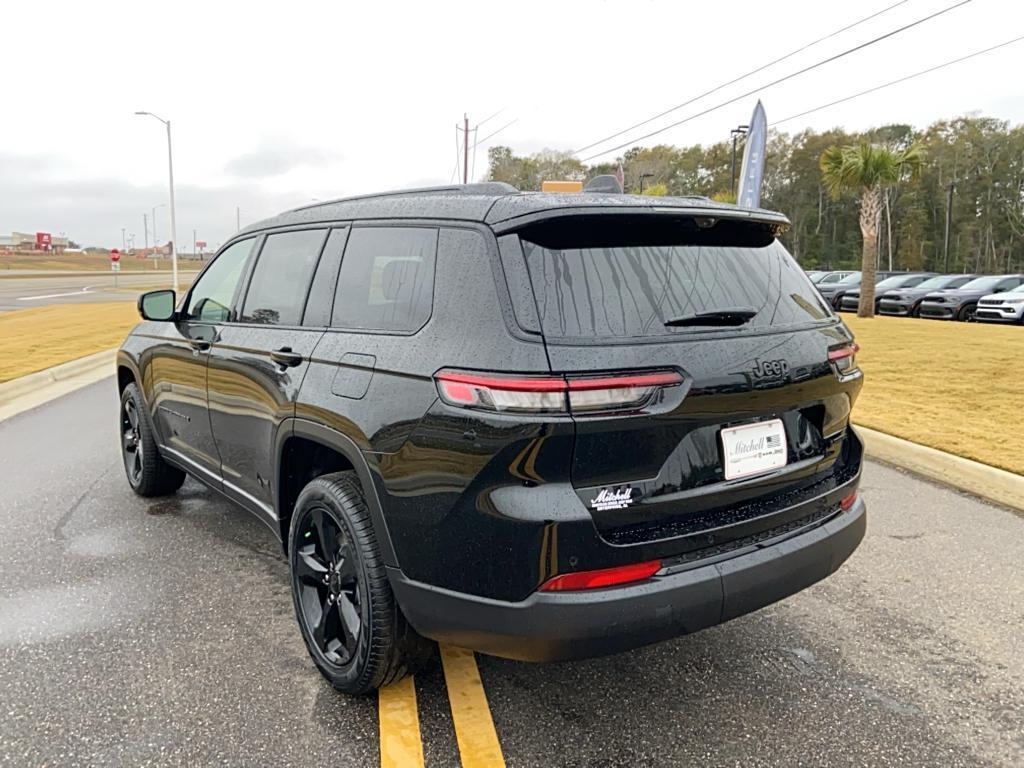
[
  {"x": 848, "y": 502},
  {"x": 551, "y": 394},
  {"x": 606, "y": 577}
]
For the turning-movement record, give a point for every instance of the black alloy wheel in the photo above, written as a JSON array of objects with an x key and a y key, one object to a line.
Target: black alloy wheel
[
  {"x": 353, "y": 628},
  {"x": 327, "y": 582},
  {"x": 131, "y": 448},
  {"x": 148, "y": 473}
]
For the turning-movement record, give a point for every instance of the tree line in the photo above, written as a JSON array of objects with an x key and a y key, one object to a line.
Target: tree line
[{"x": 977, "y": 162}]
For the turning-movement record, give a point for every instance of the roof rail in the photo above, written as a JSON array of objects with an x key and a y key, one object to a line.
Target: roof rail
[{"x": 495, "y": 188}]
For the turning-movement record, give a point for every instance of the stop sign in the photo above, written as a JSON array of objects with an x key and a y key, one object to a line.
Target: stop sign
[{"x": 115, "y": 255}]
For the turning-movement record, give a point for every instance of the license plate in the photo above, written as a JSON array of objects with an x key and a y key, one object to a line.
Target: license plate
[{"x": 751, "y": 449}]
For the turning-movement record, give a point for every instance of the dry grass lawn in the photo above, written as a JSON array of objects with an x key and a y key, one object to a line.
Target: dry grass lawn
[
  {"x": 34, "y": 339},
  {"x": 952, "y": 386}
]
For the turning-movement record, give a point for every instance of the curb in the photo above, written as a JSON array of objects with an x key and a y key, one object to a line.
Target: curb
[
  {"x": 989, "y": 483},
  {"x": 37, "y": 388}
]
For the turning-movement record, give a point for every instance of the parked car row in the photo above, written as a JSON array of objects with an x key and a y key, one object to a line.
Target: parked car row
[{"x": 986, "y": 298}]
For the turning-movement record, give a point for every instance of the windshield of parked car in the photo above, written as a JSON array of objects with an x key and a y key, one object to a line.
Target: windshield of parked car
[
  {"x": 831, "y": 277},
  {"x": 891, "y": 282},
  {"x": 852, "y": 278},
  {"x": 982, "y": 284},
  {"x": 939, "y": 281}
]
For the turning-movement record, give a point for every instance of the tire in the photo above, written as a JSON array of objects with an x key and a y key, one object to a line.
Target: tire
[
  {"x": 352, "y": 626},
  {"x": 915, "y": 310},
  {"x": 148, "y": 474},
  {"x": 966, "y": 313}
]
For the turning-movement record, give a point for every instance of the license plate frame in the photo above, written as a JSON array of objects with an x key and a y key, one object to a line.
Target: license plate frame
[{"x": 753, "y": 448}]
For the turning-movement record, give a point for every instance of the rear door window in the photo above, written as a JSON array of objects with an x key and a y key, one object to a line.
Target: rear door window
[
  {"x": 280, "y": 280},
  {"x": 627, "y": 281},
  {"x": 387, "y": 279}
]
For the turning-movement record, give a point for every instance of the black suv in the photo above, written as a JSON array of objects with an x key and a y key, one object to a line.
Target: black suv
[{"x": 540, "y": 426}]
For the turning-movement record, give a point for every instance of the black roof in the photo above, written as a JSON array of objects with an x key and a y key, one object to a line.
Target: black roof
[{"x": 501, "y": 205}]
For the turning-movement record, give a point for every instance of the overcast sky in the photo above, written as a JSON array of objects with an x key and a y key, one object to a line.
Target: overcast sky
[{"x": 274, "y": 105}]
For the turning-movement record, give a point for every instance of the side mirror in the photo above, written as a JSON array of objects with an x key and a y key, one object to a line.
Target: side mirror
[{"x": 157, "y": 305}]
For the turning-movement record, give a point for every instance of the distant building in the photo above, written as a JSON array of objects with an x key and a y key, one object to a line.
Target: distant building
[{"x": 37, "y": 241}]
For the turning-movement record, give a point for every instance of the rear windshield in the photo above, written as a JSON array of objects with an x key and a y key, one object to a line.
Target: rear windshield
[{"x": 628, "y": 282}]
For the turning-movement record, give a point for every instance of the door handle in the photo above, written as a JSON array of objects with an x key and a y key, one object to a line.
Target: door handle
[
  {"x": 285, "y": 357},
  {"x": 200, "y": 345}
]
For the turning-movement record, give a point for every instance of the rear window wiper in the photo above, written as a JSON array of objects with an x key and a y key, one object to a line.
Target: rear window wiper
[{"x": 727, "y": 316}]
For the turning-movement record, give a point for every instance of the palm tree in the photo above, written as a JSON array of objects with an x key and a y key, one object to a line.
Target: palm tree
[{"x": 869, "y": 168}]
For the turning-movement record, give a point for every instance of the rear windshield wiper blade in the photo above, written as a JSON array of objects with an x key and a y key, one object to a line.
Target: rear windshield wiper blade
[{"x": 729, "y": 316}]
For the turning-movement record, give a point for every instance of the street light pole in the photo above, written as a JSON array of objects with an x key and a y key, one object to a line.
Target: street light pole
[{"x": 170, "y": 176}]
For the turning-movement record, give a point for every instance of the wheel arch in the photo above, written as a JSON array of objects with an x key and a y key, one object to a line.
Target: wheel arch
[
  {"x": 330, "y": 451},
  {"x": 127, "y": 371}
]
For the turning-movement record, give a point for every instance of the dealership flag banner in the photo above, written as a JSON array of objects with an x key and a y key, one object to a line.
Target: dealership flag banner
[{"x": 749, "y": 195}]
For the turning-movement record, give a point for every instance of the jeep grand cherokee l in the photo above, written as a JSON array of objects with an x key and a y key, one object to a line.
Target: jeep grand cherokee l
[{"x": 539, "y": 426}]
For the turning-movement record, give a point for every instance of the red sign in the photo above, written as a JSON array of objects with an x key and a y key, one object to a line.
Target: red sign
[
  {"x": 43, "y": 241},
  {"x": 115, "y": 255},
  {"x": 201, "y": 244}
]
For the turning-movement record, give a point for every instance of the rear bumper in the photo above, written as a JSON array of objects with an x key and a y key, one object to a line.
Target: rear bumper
[{"x": 551, "y": 626}]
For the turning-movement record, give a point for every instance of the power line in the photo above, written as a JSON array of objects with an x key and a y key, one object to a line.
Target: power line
[
  {"x": 495, "y": 133},
  {"x": 899, "y": 80},
  {"x": 783, "y": 79},
  {"x": 741, "y": 77}
]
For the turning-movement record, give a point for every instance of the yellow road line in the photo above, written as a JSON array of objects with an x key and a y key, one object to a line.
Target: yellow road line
[
  {"x": 400, "y": 743},
  {"x": 474, "y": 729}
]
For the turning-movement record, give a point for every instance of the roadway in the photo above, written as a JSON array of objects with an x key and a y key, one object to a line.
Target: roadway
[
  {"x": 36, "y": 289},
  {"x": 162, "y": 633}
]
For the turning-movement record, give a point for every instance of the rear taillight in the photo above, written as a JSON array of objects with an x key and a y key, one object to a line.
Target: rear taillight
[
  {"x": 606, "y": 577},
  {"x": 552, "y": 394},
  {"x": 844, "y": 358},
  {"x": 848, "y": 502}
]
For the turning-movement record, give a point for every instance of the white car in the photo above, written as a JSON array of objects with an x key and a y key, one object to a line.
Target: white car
[{"x": 1005, "y": 307}]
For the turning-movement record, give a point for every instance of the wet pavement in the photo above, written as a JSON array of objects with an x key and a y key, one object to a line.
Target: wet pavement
[{"x": 138, "y": 632}]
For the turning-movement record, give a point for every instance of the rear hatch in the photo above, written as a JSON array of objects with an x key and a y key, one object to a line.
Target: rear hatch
[{"x": 756, "y": 420}]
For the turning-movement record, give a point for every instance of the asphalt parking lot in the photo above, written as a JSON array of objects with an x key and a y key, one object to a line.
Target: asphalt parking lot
[
  {"x": 37, "y": 289},
  {"x": 162, "y": 633}
]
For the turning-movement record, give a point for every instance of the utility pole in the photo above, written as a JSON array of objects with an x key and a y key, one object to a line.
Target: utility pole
[
  {"x": 124, "y": 243},
  {"x": 238, "y": 219},
  {"x": 193, "y": 243},
  {"x": 465, "y": 148},
  {"x": 949, "y": 216},
  {"x": 145, "y": 234}
]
